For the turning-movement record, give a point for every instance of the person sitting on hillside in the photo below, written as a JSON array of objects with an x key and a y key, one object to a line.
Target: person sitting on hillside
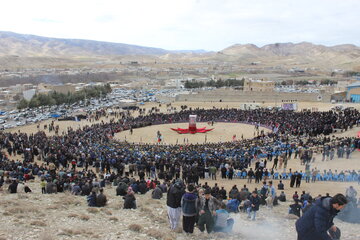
[
  {"x": 27, "y": 189},
  {"x": 129, "y": 199},
  {"x": 121, "y": 190},
  {"x": 223, "y": 223},
  {"x": 295, "y": 208},
  {"x": 282, "y": 197},
  {"x": 91, "y": 199},
  {"x": 13, "y": 187},
  {"x": 157, "y": 193},
  {"x": 280, "y": 185},
  {"x": 101, "y": 199}
]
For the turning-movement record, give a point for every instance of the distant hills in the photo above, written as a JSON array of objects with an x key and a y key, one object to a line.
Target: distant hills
[
  {"x": 299, "y": 55},
  {"x": 31, "y": 45}
]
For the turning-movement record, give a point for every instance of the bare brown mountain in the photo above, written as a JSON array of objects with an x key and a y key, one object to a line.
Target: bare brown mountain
[
  {"x": 345, "y": 56},
  {"x": 19, "y": 50},
  {"x": 31, "y": 45}
]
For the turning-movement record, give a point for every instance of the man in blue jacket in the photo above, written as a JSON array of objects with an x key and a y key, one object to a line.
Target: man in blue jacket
[
  {"x": 317, "y": 222},
  {"x": 254, "y": 205},
  {"x": 189, "y": 208}
]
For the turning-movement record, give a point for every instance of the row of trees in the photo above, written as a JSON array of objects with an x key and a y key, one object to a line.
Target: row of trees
[
  {"x": 305, "y": 82},
  {"x": 240, "y": 83},
  {"x": 212, "y": 83},
  {"x": 351, "y": 74},
  {"x": 55, "y": 98}
]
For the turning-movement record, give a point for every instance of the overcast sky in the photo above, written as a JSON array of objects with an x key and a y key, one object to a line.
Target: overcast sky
[{"x": 187, "y": 24}]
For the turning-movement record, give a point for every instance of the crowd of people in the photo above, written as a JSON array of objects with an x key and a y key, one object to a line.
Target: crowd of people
[{"x": 84, "y": 160}]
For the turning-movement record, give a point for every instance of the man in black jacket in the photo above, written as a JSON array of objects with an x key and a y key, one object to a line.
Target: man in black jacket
[
  {"x": 317, "y": 222},
  {"x": 13, "y": 187},
  {"x": 173, "y": 202},
  {"x": 254, "y": 205}
]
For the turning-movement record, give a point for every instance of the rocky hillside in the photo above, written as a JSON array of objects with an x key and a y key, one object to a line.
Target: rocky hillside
[
  {"x": 31, "y": 45},
  {"x": 303, "y": 53},
  {"x": 19, "y": 50}
]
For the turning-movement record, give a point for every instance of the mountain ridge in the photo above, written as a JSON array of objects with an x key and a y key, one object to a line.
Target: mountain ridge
[{"x": 302, "y": 54}]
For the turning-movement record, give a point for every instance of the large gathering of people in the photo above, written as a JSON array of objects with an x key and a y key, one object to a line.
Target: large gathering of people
[{"x": 83, "y": 161}]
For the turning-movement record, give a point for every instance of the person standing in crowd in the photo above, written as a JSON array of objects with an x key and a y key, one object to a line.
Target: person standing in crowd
[
  {"x": 253, "y": 205},
  {"x": 189, "y": 206},
  {"x": 351, "y": 194},
  {"x": 317, "y": 222},
  {"x": 292, "y": 179},
  {"x": 43, "y": 185},
  {"x": 271, "y": 194},
  {"x": 298, "y": 179},
  {"x": 207, "y": 207},
  {"x": 173, "y": 202},
  {"x": 250, "y": 175}
]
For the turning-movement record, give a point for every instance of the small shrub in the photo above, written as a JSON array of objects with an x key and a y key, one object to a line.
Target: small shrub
[
  {"x": 155, "y": 234},
  {"x": 93, "y": 210},
  {"x": 73, "y": 215},
  {"x": 135, "y": 227},
  {"x": 38, "y": 223},
  {"x": 106, "y": 211},
  {"x": 84, "y": 217},
  {"x": 70, "y": 232},
  {"x": 145, "y": 209},
  {"x": 114, "y": 219},
  {"x": 46, "y": 236}
]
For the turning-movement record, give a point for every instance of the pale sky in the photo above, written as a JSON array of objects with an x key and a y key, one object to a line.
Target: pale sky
[{"x": 187, "y": 24}]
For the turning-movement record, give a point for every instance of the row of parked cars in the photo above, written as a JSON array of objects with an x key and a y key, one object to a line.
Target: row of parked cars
[
  {"x": 118, "y": 97},
  {"x": 23, "y": 117}
]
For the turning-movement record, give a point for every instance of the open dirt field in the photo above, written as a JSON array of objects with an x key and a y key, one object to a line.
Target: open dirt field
[{"x": 222, "y": 132}]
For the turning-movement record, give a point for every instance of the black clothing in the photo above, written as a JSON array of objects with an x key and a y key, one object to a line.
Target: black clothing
[{"x": 188, "y": 224}]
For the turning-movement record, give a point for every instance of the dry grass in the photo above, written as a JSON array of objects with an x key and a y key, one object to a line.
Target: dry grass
[
  {"x": 9, "y": 203},
  {"x": 70, "y": 232},
  {"x": 20, "y": 210},
  {"x": 145, "y": 209},
  {"x": 178, "y": 230},
  {"x": 106, "y": 211},
  {"x": 74, "y": 232},
  {"x": 67, "y": 199},
  {"x": 38, "y": 223},
  {"x": 20, "y": 216},
  {"x": 135, "y": 227},
  {"x": 155, "y": 234},
  {"x": 73, "y": 215},
  {"x": 171, "y": 237},
  {"x": 22, "y": 196},
  {"x": 84, "y": 217},
  {"x": 114, "y": 219},
  {"x": 46, "y": 236},
  {"x": 93, "y": 210},
  {"x": 55, "y": 207}
]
